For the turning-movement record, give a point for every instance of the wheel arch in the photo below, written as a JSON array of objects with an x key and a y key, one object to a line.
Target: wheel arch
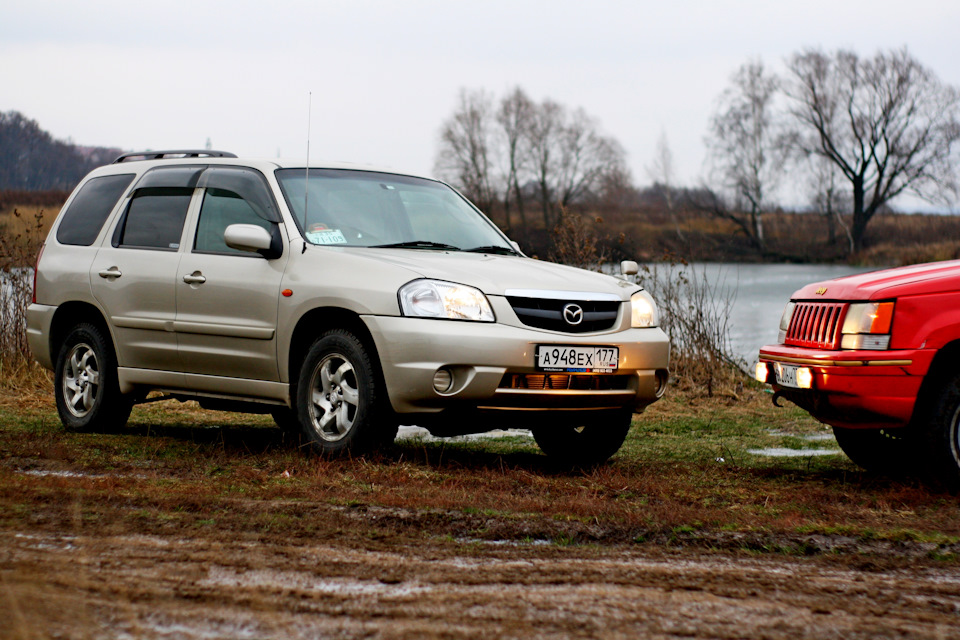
[
  {"x": 316, "y": 322},
  {"x": 944, "y": 363},
  {"x": 69, "y": 315}
]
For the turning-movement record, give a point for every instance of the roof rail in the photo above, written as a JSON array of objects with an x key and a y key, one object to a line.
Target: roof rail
[{"x": 173, "y": 153}]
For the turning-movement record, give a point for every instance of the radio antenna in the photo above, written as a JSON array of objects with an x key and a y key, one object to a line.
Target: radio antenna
[{"x": 306, "y": 180}]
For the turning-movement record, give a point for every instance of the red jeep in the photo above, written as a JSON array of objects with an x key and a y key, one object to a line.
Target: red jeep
[{"x": 877, "y": 356}]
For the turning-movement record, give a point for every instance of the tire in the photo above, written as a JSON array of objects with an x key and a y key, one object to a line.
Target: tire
[
  {"x": 586, "y": 441},
  {"x": 287, "y": 419},
  {"x": 341, "y": 397},
  {"x": 85, "y": 382},
  {"x": 885, "y": 451},
  {"x": 941, "y": 434}
]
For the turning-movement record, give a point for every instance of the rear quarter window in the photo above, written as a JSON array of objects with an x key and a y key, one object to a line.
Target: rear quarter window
[{"x": 80, "y": 224}]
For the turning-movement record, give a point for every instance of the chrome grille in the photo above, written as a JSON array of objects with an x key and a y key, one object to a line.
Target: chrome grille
[{"x": 815, "y": 325}]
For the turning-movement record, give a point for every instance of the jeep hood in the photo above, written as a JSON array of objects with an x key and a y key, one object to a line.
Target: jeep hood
[
  {"x": 494, "y": 274},
  {"x": 919, "y": 279}
]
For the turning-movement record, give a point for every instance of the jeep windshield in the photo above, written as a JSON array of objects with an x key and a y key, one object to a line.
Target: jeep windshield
[{"x": 368, "y": 209}]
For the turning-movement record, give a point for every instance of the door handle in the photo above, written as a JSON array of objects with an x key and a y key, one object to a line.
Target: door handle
[
  {"x": 194, "y": 278},
  {"x": 112, "y": 272}
]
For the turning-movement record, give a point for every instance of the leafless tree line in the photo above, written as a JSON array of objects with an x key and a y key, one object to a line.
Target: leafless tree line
[
  {"x": 522, "y": 156},
  {"x": 861, "y": 131}
]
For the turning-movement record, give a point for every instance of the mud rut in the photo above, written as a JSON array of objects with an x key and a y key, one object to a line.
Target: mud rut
[{"x": 159, "y": 587}]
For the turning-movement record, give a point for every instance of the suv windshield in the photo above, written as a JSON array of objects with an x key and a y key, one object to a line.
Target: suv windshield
[{"x": 367, "y": 209}]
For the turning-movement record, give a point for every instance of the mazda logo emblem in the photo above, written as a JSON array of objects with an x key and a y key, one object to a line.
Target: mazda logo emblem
[{"x": 573, "y": 314}]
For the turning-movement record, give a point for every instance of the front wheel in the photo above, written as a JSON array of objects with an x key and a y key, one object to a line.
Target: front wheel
[
  {"x": 942, "y": 434},
  {"x": 85, "y": 382},
  {"x": 340, "y": 397},
  {"x": 586, "y": 440},
  {"x": 879, "y": 450}
]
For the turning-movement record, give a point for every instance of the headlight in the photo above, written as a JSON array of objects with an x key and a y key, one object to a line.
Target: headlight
[
  {"x": 643, "y": 310},
  {"x": 785, "y": 321},
  {"x": 867, "y": 326},
  {"x": 438, "y": 299}
]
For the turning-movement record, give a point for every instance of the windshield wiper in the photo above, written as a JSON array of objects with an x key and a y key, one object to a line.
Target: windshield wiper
[
  {"x": 493, "y": 248},
  {"x": 417, "y": 244}
]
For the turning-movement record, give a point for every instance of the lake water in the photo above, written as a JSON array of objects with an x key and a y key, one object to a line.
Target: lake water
[{"x": 761, "y": 291}]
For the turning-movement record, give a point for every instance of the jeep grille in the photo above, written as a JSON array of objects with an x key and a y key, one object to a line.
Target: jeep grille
[{"x": 815, "y": 325}]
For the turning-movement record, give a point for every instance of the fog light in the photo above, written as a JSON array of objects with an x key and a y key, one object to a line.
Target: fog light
[
  {"x": 805, "y": 378},
  {"x": 762, "y": 372},
  {"x": 442, "y": 380}
]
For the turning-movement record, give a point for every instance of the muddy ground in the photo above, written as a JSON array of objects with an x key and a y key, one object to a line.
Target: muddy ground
[{"x": 372, "y": 579}]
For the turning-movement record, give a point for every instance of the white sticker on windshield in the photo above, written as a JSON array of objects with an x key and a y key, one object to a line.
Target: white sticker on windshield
[{"x": 326, "y": 236}]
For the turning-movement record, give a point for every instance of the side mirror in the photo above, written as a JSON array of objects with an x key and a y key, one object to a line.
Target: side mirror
[
  {"x": 250, "y": 237},
  {"x": 516, "y": 246},
  {"x": 629, "y": 268}
]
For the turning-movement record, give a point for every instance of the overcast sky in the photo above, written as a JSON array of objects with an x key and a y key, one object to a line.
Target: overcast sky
[{"x": 384, "y": 75}]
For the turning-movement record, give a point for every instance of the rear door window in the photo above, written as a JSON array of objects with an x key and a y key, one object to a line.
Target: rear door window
[{"x": 154, "y": 218}]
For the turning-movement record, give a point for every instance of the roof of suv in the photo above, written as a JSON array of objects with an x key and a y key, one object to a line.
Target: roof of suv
[{"x": 143, "y": 160}]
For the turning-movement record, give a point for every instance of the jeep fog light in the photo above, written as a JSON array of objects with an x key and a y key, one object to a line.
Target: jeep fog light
[
  {"x": 762, "y": 372},
  {"x": 805, "y": 378},
  {"x": 643, "y": 310},
  {"x": 438, "y": 299},
  {"x": 442, "y": 380}
]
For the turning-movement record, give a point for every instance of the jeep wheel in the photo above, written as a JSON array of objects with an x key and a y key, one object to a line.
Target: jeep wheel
[
  {"x": 340, "y": 397},
  {"x": 889, "y": 451},
  {"x": 942, "y": 434},
  {"x": 586, "y": 441},
  {"x": 85, "y": 382}
]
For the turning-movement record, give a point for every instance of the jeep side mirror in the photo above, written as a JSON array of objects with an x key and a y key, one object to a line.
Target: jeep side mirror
[
  {"x": 250, "y": 237},
  {"x": 629, "y": 268}
]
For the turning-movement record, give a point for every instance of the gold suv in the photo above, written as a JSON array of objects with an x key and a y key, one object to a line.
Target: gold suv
[{"x": 343, "y": 300}]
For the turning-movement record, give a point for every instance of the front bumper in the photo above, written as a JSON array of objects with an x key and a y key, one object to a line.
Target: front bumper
[
  {"x": 484, "y": 359},
  {"x": 854, "y": 389}
]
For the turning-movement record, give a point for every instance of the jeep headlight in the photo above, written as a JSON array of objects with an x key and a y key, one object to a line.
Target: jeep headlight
[
  {"x": 438, "y": 299},
  {"x": 867, "y": 326},
  {"x": 643, "y": 310}
]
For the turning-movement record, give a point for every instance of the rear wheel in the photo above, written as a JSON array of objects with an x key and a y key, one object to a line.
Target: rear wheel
[
  {"x": 340, "y": 397},
  {"x": 879, "y": 450},
  {"x": 586, "y": 440},
  {"x": 86, "y": 386}
]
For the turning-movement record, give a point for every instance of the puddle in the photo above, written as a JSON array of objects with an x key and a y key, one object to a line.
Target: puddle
[
  {"x": 783, "y": 452},
  {"x": 40, "y": 473},
  {"x": 506, "y": 543},
  {"x": 419, "y": 433},
  {"x": 225, "y": 577}
]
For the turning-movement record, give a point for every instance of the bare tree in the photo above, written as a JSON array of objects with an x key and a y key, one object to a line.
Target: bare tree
[
  {"x": 745, "y": 145},
  {"x": 514, "y": 118},
  {"x": 829, "y": 198},
  {"x": 585, "y": 156},
  {"x": 543, "y": 136},
  {"x": 886, "y": 122},
  {"x": 662, "y": 173},
  {"x": 466, "y": 146}
]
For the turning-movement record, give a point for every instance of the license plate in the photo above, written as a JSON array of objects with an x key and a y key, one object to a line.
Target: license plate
[
  {"x": 577, "y": 359},
  {"x": 786, "y": 375}
]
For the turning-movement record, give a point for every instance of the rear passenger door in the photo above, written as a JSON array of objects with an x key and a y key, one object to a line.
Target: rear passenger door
[
  {"x": 133, "y": 274},
  {"x": 227, "y": 299}
]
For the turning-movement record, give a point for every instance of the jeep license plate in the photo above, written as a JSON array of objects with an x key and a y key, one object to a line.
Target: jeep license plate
[
  {"x": 577, "y": 359},
  {"x": 786, "y": 375}
]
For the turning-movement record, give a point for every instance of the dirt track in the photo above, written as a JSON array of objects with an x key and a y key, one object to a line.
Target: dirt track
[{"x": 160, "y": 587}]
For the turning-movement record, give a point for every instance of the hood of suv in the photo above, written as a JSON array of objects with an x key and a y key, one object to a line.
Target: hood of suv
[
  {"x": 919, "y": 279},
  {"x": 494, "y": 274}
]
